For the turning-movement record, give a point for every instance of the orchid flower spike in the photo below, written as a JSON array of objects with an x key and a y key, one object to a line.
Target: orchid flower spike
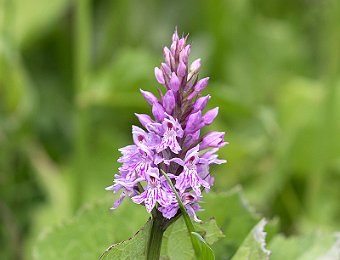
[{"x": 171, "y": 141}]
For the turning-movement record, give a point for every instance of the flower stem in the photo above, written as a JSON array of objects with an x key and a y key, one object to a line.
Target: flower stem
[{"x": 156, "y": 236}]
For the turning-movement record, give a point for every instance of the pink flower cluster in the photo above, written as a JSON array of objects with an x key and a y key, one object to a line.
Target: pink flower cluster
[{"x": 171, "y": 141}]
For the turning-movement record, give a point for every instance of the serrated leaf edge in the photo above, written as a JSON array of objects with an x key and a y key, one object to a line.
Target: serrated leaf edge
[{"x": 260, "y": 236}]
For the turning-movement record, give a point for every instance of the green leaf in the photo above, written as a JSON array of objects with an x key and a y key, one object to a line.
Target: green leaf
[
  {"x": 316, "y": 245},
  {"x": 87, "y": 235},
  {"x": 206, "y": 252},
  {"x": 28, "y": 19},
  {"x": 201, "y": 247},
  {"x": 233, "y": 215},
  {"x": 115, "y": 85},
  {"x": 209, "y": 230},
  {"x": 177, "y": 243},
  {"x": 16, "y": 94},
  {"x": 254, "y": 246},
  {"x": 133, "y": 248}
]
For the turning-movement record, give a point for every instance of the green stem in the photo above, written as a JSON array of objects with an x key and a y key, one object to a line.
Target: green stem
[{"x": 155, "y": 240}]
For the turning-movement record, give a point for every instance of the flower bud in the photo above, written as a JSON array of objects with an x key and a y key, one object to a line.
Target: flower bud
[
  {"x": 159, "y": 76},
  {"x": 183, "y": 57},
  {"x": 201, "y": 103},
  {"x": 194, "y": 121},
  {"x": 201, "y": 84},
  {"x": 195, "y": 66},
  {"x": 209, "y": 117},
  {"x": 169, "y": 102},
  {"x": 149, "y": 97},
  {"x": 182, "y": 69},
  {"x": 158, "y": 112},
  {"x": 194, "y": 136},
  {"x": 181, "y": 43},
  {"x": 167, "y": 55},
  {"x": 175, "y": 36},
  {"x": 166, "y": 69},
  {"x": 184, "y": 54},
  {"x": 213, "y": 139},
  {"x": 144, "y": 119},
  {"x": 174, "y": 82},
  {"x": 173, "y": 47}
]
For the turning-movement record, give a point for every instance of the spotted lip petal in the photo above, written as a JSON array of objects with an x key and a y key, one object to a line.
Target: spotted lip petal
[
  {"x": 153, "y": 193},
  {"x": 171, "y": 131}
]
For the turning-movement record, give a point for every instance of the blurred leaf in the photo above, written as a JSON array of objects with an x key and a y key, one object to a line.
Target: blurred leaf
[
  {"x": 233, "y": 215},
  {"x": 88, "y": 234},
  {"x": 30, "y": 18},
  {"x": 118, "y": 83},
  {"x": 16, "y": 93},
  {"x": 133, "y": 248},
  {"x": 54, "y": 182},
  {"x": 316, "y": 245},
  {"x": 254, "y": 246}
]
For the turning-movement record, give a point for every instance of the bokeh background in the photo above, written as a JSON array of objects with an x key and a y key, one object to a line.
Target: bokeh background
[{"x": 70, "y": 73}]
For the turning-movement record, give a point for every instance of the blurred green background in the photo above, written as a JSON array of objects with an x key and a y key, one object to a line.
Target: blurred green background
[{"x": 70, "y": 73}]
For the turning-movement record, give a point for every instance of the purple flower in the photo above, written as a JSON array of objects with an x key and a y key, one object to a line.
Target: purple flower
[
  {"x": 154, "y": 192},
  {"x": 136, "y": 161},
  {"x": 130, "y": 188},
  {"x": 211, "y": 157},
  {"x": 189, "y": 177},
  {"x": 189, "y": 201},
  {"x": 171, "y": 141},
  {"x": 213, "y": 139},
  {"x": 169, "y": 130}
]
